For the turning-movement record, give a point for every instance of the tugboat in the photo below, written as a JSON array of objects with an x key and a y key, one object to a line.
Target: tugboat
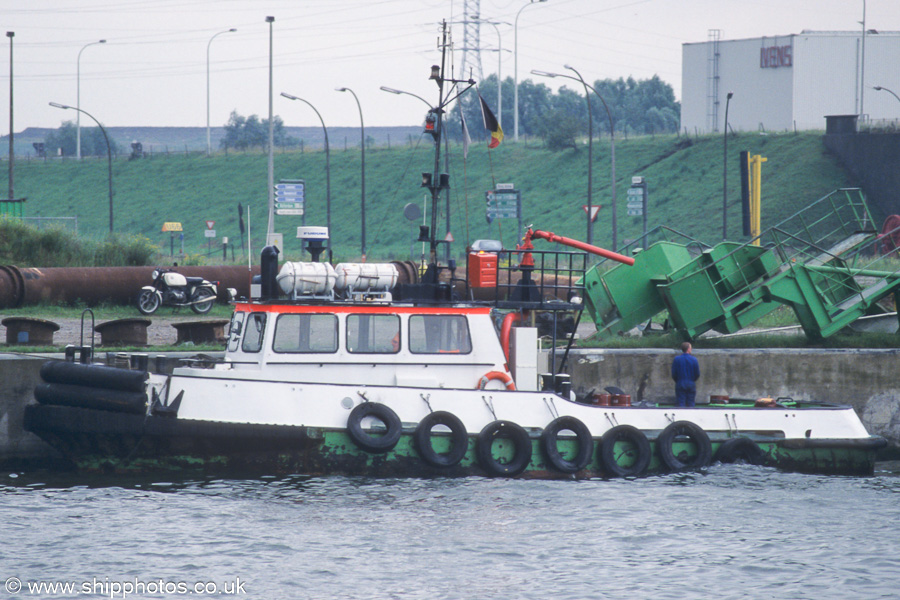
[{"x": 378, "y": 370}]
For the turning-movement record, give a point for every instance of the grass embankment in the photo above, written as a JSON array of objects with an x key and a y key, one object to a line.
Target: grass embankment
[
  {"x": 684, "y": 176},
  {"x": 685, "y": 193}
]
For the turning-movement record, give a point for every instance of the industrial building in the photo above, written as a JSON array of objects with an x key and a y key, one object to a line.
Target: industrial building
[{"x": 789, "y": 82}]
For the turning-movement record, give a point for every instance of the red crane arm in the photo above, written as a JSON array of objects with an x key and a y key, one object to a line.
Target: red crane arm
[{"x": 552, "y": 237}]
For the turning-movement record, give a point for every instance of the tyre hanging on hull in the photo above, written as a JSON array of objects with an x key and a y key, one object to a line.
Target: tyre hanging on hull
[
  {"x": 682, "y": 461},
  {"x": 637, "y": 451},
  {"x": 740, "y": 448},
  {"x": 515, "y": 435},
  {"x": 459, "y": 439},
  {"x": 585, "y": 442},
  {"x": 377, "y": 444}
]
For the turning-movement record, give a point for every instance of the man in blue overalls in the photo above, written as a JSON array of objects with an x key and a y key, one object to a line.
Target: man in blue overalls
[{"x": 685, "y": 372}]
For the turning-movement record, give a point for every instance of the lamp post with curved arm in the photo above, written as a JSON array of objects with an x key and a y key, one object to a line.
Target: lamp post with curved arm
[
  {"x": 78, "y": 99},
  {"x": 880, "y": 88},
  {"x": 108, "y": 154},
  {"x": 499, "y": 71},
  {"x": 327, "y": 167},
  {"x": 362, "y": 126},
  {"x": 208, "y": 144},
  {"x": 516, "y": 69},
  {"x": 612, "y": 144},
  {"x": 725, "y": 171}
]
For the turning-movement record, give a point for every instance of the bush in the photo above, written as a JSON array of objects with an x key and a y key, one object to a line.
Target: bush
[{"x": 26, "y": 246}]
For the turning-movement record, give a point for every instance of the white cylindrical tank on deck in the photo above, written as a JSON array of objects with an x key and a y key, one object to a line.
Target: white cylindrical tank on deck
[
  {"x": 305, "y": 278},
  {"x": 366, "y": 277}
]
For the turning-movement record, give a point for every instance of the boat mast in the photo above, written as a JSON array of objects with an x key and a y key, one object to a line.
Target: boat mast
[
  {"x": 438, "y": 114},
  {"x": 438, "y": 182}
]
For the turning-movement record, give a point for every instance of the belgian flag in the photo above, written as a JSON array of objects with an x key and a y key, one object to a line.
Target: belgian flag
[{"x": 491, "y": 124}]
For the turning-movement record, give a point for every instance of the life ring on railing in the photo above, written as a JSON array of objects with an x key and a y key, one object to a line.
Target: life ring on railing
[
  {"x": 585, "y": 442},
  {"x": 521, "y": 446},
  {"x": 505, "y": 378},
  {"x": 459, "y": 439},
  {"x": 374, "y": 443},
  {"x": 639, "y": 450},
  {"x": 682, "y": 462}
]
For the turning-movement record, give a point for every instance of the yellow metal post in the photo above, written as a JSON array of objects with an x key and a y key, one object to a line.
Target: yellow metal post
[{"x": 756, "y": 162}]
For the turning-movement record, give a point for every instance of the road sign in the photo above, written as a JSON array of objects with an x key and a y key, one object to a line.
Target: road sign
[
  {"x": 171, "y": 226},
  {"x": 595, "y": 208},
  {"x": 637, "y": 197},
  {"x": 210, "y": 224},
  {"x": 505, "y": 186},
  {"x": 289, "y": 211},
  {"x": 289, "y": 205},
  {"x": 503, "y": 204},
  {"x": 290, "y": 188},
  {"x": 210, "y": 233}
]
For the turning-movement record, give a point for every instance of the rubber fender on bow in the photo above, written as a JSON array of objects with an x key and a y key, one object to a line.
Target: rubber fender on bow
[
  {"x": 512, "y": 433},
  {"x": 550, "y": 437},
  {"x": 505, "y": 378},
  {"x": 364, "y": 439},
  {"x": 459, "y": 439},
  {"x": 682, "y": 461},
  {"x": 634, "y": 449},
  {"x": 740, "y": 448}
]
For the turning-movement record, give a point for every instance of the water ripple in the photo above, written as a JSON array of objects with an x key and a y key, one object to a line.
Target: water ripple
[{"x": 733, "y": 531}]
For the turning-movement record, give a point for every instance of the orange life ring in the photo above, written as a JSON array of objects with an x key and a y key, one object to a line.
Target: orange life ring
[{"x": 503, "y": 377}]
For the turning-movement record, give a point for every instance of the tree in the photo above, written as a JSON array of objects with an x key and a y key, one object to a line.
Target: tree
[
  {"x": 242, "y": 132},
  {"x": 65, "y": 138}
]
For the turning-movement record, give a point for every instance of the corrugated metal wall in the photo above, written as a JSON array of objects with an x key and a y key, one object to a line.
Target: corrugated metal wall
[{"x": 822, "y": 79}]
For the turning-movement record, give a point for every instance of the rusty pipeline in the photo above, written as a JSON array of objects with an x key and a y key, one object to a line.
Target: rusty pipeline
[{"x": 95, "y": 285}]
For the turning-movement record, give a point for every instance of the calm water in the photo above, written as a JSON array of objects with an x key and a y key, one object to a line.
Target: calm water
[{"x": 736, "y": 531}]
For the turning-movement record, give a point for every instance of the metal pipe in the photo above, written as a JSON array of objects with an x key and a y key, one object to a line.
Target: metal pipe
[
  {"x": 95, "y": 285},
  {"x": 552, "y": 237}
]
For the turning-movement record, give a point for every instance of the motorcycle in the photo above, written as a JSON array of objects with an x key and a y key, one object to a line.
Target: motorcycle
[{"x": 174, "y": 289}]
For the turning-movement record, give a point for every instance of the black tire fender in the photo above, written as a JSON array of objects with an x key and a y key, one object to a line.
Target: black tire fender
[
  {"x": 550, "y": 436},
  {"x": 641, "y": 448},
  {"x": 692, "y": 431},
  {"x": 374, "y": 443},
  {"x": 509, "y": 431},
  {"x": 459, "y": 439},
  {"x": 740, "y": 448}
]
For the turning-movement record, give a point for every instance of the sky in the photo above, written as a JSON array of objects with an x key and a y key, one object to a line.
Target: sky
[{"x": 152, "y": 70}]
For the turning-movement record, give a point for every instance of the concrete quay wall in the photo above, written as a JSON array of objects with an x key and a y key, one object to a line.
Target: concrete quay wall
[{"x": 868, "y": 380}]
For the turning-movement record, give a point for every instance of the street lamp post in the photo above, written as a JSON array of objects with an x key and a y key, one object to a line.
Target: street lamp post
[
  {"x": 516, "y": 69},
  {"x": 878, "y": 88},
  {"x": 327, "y": 167},
  {"x": 270, "y": 229},
  {"x": 725, "y": 172},
  {"x": 208, "y": 144},
  {"x": 362, "y": 127},
  {"x": 108, "y": 154},
  {"x": 12, "y": 190},
  {"x": 590, "y": 209},
  {"x": 612, "y": 143},
  {"x": 78, "y": 99},
  {"x": 499, "y": 71}
]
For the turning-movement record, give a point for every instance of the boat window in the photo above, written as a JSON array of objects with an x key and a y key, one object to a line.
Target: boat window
[
  {"x": 253, "y": 332},
  {"x": 373, "y": 334},
  {"x": 305, "y": 333},
  {"x": 234, "y": 330},
  {"x": 437, "y": 334}
]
